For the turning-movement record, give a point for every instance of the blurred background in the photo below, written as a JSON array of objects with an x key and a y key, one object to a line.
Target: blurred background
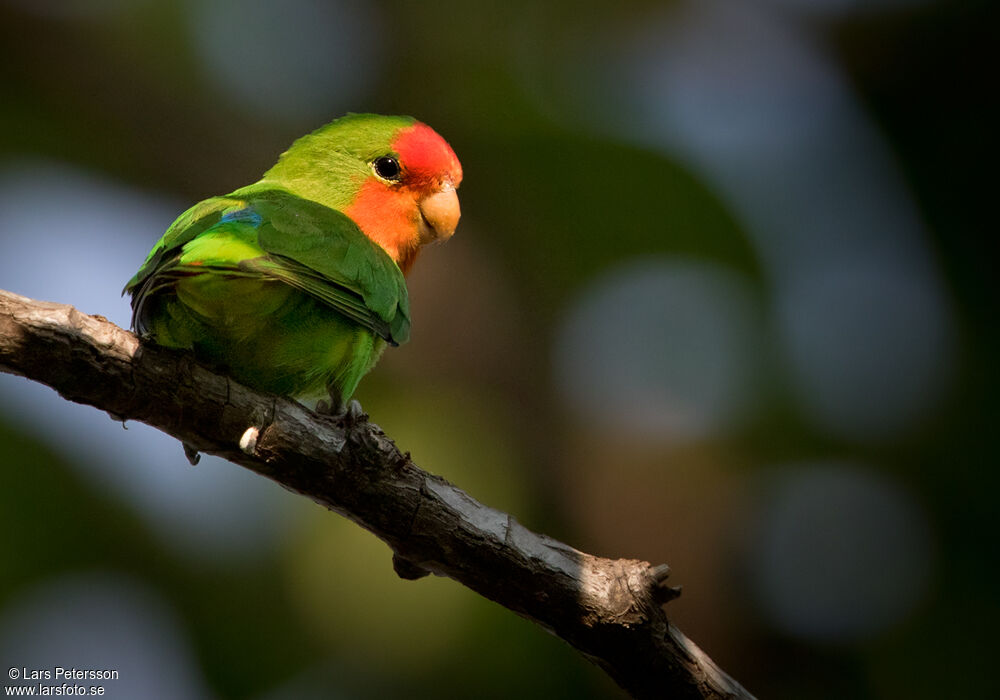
[{"x": 721, "y": 297}]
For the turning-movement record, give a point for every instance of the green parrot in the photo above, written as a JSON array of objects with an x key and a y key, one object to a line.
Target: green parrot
[{"x": 294, "y": 285}]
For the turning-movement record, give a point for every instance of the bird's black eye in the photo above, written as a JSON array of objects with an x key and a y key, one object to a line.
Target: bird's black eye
[{"x": 387, "y": 168}]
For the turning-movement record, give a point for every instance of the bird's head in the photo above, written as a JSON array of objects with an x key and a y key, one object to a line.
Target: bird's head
[
  {"x": 394, "y": 176},
  {"x": 422, "y": 173},
  {"x": 410, "y": 199}
]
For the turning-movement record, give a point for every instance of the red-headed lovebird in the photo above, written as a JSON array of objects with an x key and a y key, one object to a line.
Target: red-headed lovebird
[{"x": 294, "y": 285}]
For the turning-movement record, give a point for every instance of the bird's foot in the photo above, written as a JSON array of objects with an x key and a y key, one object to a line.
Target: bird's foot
[
  {"x": 354, "y": 414},
  {"x": 350, "y": 413},
  {"x": 333, "y": 405}
]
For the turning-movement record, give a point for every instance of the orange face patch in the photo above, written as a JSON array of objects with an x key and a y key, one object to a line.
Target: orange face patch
[
  {"x": 387, "y": 216},
  {"x": 389, "y": 213}
]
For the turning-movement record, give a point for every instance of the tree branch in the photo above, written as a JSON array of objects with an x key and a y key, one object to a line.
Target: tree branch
[{"x": 610, "y": 610}]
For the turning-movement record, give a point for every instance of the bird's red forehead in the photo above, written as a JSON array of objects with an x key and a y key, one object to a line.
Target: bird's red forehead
[{"x": 426, "y": 157}]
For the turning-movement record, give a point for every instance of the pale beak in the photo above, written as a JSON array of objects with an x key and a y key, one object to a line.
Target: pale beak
[{"x": 441, "y": 212}]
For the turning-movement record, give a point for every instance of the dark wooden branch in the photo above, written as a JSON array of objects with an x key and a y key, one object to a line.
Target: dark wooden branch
[{"x": 610, "y": 610}]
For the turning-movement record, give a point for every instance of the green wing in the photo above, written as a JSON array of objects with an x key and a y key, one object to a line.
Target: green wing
[
  {"x": 270, "y": 233},
  {"x": 187, "y": 226},
  {"x": 162, "y": 267},
  {"x": 322, "y": 252}
]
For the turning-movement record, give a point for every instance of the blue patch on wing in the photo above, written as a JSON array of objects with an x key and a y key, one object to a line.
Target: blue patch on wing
[{"x": 246, "y": 215}]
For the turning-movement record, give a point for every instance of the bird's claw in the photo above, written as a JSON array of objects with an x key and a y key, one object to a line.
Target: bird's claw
[
  {"x": 350, "y": 414},
  {"x": 354, "y": 413}
]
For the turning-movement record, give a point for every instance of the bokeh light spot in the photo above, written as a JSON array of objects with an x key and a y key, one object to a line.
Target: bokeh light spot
[
  {"x": 664, "y": 349},
  {"x": 770, "y": 119},
  {"x": 298, "y": 60},
  {"x": 842, "y": 553},
  {"x": 101, "y": 621},
  {"x": 870, "y": 347}
]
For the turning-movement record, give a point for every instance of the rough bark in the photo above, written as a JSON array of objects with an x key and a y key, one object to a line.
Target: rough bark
[{"x": 609, "y": 610}]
